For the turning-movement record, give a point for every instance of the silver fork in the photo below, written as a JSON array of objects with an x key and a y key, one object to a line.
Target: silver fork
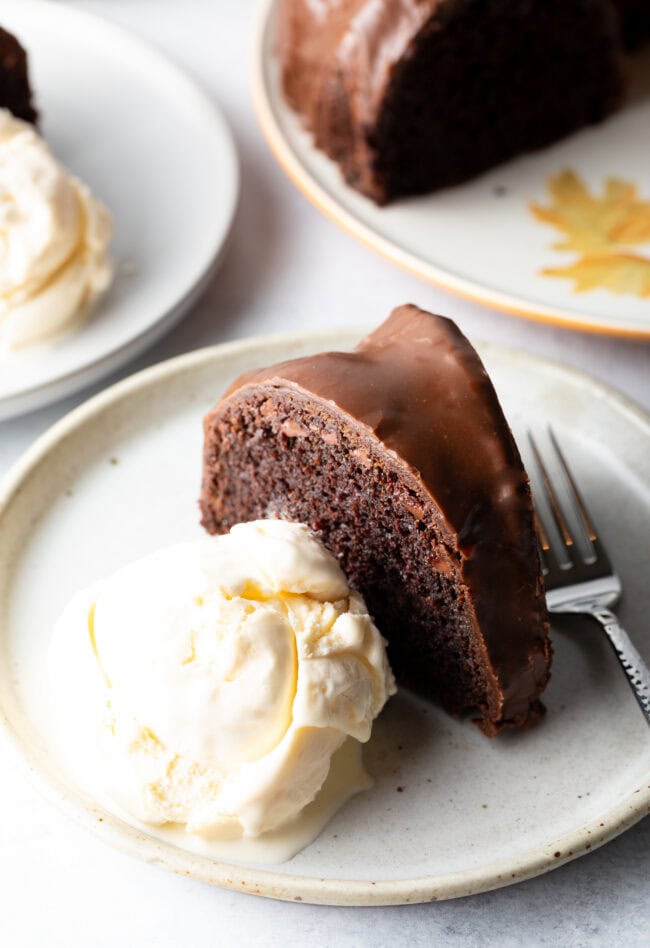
[{"x": 585, "y": 585}]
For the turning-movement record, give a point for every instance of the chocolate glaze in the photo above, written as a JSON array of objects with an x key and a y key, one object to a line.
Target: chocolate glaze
[
  {"x": 416, "y": 390},
  {"x": 337, "y": 57}
]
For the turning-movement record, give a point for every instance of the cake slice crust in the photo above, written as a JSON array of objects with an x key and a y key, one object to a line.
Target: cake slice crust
[{"x": 399, "y": 455}]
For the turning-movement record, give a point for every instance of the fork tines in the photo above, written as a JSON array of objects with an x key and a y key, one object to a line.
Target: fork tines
[{"x": 557, "y": 570}]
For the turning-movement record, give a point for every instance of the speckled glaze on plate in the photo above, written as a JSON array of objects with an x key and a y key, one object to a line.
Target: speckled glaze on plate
[
  {"x": 450, "y": 813},
  {"x": 481, "y": 239}
]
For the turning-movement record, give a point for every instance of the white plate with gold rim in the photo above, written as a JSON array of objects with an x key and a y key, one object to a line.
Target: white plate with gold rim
[
  {"x": 154, "y": 147},
  {"x": 451, "y": 813},
  {"x": 482, "y": 239}
]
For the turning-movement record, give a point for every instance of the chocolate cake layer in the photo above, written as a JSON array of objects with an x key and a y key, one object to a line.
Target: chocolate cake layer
[
  {"x": 400, "y": 456},
  {"x": 15, "y": 91},
  {"x": 413, "y": 95}
]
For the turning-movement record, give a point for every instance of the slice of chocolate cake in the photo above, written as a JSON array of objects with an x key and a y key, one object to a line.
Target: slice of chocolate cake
[
  {"x": 399, "y": 455},
  {"x": 15, "y": 91},
  {"x": 413, "y": 95}
]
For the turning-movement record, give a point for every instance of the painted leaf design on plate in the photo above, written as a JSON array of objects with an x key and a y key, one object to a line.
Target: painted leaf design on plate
[
  {"x": 602, "y": 230},
  {"x": 619, "y": 273}
]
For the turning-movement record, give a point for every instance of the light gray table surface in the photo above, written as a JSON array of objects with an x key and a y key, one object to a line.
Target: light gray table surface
[{"x": 289, "y": 268}]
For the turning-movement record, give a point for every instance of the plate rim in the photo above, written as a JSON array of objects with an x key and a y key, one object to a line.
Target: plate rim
[
  {"x": 330, "y": 207},
  {"x": 265, "y": 882},
  {"x": 97, "y": 366}
]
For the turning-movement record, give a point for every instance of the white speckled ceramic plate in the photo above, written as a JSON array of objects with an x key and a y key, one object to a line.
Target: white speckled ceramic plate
[
  {"x": 157, "y": 151},
  {"x": 450, "y": 813},
  {"x": 481, "y": 240}
]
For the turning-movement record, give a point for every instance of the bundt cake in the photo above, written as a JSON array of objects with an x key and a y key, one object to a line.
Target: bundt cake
[
  {"x": 413, "y": 95},
  {"x": 399, "y": 455},
  {"x": 15, "y": 91}
]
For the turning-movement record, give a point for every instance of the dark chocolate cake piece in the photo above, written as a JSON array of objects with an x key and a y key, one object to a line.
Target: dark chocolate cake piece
[
  {"x": 413, "y": 95},
  {"x": 15, "y": 91},
  {"x": 399, "y": 455},
  {"x": 635, "y": 21}
]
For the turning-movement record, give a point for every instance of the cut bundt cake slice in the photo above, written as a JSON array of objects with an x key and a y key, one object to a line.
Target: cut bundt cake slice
[
  {"x": 413, "y": 95},
  {"x": 399, "y": 455},
  {"x": 15, "y": 91}
]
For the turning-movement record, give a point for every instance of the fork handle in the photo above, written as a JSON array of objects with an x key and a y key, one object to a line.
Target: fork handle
[{"x": 638, "y": 673}]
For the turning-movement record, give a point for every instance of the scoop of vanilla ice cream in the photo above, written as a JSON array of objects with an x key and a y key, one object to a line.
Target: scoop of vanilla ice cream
[
  {"x": 53, "y": 240},
  {"x": 222, "y": 675}
]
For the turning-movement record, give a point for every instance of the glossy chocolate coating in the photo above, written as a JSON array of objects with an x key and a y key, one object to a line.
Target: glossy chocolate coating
[
  {"x": 337, "y": 57},
  {"x": 416, "y": 389}
]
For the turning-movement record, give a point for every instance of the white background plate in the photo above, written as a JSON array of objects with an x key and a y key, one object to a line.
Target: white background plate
[
  {"x": 473, "y": 239},
  {"x": 119, "y": 477},
  {"x": 159, "y": 154}
]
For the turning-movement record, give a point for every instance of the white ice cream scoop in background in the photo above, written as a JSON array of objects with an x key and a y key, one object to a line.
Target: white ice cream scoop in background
[
  {"x": 219, "y": 677},
  {"x": 54, "y": 236}
]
